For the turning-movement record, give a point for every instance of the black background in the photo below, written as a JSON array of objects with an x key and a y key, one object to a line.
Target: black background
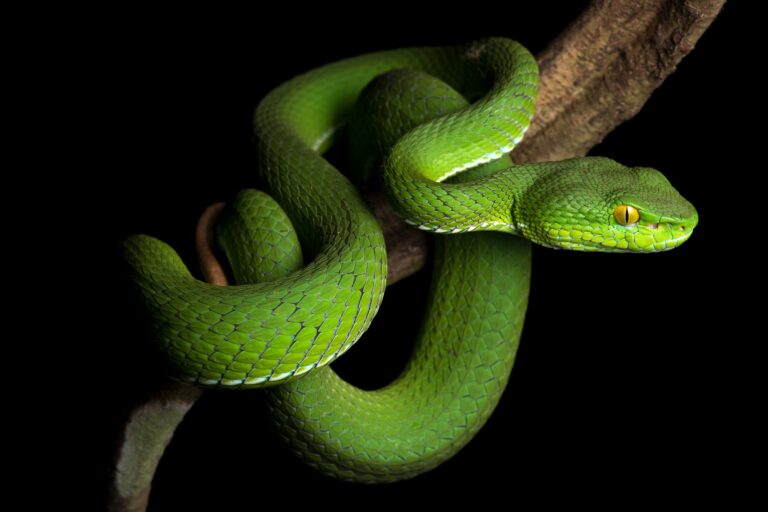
[{"x": 623, "y": 384}]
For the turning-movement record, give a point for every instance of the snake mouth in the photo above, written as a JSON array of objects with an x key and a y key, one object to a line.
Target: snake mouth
[
  {"x": 639, "y": 238},
  {"x": 673, "y": 242},
  {"x": 677, "y": 231}
]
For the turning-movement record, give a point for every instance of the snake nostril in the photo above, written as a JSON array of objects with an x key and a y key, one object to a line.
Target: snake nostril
[{"x": 682, "y": 228}]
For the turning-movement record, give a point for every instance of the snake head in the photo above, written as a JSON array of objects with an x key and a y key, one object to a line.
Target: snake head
[{"x": 596, "y": 204}]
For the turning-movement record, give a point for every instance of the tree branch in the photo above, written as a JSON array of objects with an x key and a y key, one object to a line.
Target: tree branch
[
  {"x": 602, "y": 69},
  {"x": 597, "y": 74},
  {"x": 142, "y": 440}
]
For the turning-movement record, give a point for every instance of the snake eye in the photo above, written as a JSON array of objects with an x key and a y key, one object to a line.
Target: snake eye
[{"x": 626, "y": 215}]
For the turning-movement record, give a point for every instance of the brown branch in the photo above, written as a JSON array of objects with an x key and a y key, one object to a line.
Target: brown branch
[
  {"x": 143, "y": 439},
  {"x": 597, "y": 74},
  {"x": 602, "y": 69}
]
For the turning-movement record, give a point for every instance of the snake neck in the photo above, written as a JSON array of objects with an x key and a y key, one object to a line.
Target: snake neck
[{"x": 492, "y": 203}]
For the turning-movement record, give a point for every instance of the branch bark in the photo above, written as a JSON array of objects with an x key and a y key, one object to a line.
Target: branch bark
[
  {"x": 143, "y": 439},
  {"x": 595, "y": 75},
  {"x": 602, "y": 69}
]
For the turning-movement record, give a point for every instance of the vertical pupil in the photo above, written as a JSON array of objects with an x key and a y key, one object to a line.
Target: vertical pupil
[{"x": 626, "y": 214}]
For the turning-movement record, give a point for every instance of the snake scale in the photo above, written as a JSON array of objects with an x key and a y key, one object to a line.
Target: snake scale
[{"x": 289, "y": 320}]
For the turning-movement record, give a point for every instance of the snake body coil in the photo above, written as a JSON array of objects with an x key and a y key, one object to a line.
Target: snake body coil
[{"x": 271, "y": 332}]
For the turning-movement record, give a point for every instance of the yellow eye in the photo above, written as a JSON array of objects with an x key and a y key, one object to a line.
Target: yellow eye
[{"x": 626, "y": 215}]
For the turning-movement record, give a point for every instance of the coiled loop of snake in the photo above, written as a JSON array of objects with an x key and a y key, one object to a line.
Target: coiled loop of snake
[
  {"x": 264, "y": 334},
  {"x": 268, "y": 333}
]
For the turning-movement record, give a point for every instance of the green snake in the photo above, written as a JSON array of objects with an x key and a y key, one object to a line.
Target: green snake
[{"x": 293, "y": 318}]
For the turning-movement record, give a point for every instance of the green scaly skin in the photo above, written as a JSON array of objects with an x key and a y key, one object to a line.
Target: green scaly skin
[
  {"x": 272, "y": 332},
  {"x": 265, "y": 334},
  {"x": 453, "y": 380},
  {"x": 459, "y": 367}
]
